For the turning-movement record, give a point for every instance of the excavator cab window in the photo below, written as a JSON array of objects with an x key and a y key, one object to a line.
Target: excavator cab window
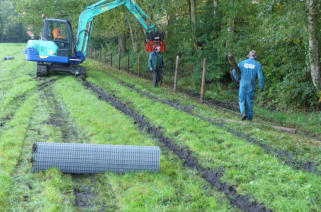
[{"x": 59, "y": 31}]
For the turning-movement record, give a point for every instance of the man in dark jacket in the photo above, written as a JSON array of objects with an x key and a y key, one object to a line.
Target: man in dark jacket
[
  {"x": 156, "y": 64},
  {"x": 251, "y": 69}
]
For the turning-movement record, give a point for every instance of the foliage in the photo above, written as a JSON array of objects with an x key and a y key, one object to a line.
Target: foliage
[
  {"x": 275, "y": 28},
  {"x": 11, "y": 30},
  {"x": 245, "y": 165}
]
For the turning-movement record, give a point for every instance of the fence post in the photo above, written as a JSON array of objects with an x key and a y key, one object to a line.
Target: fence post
[
  {"x": 111, "y": 59},
  {"x": 105, "y": 59},
  {"x": 176, "y": 74},
  {"x": 128, "y": 62},
  {"x": 203, "y": 80},
  {"x": 119, "y": 60},
  {"x": 138, "y": 67}
]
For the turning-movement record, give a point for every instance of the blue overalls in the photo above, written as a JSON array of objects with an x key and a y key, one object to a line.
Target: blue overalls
[{"x": 250, "y": 69}]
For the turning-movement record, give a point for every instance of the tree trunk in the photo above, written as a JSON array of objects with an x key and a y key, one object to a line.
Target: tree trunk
[
  {"x": 215, "y": 4},
  {"x": 192, "y": 8},
  {"x": 314, "y": 56},
  {"x": 133, "y": 37},
  {"x": 122, "y": 43}
]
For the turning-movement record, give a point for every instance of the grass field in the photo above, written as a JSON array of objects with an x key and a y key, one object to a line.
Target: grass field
[{"x": 206, "y": 165}]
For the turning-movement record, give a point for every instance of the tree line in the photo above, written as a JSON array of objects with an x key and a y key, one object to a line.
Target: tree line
[
  {"x": 285, "y": 33},
  {"x": 11, "y": 30}
]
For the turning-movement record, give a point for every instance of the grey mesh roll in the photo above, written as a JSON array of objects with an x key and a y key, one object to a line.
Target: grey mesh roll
[{"x": 94, "y": 158}]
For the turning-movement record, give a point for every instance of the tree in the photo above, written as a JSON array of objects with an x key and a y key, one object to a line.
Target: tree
[{"x": 314, "y": 57}]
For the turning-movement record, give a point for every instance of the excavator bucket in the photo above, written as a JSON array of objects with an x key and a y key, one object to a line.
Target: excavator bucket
[{"x": 155, "y": 38}]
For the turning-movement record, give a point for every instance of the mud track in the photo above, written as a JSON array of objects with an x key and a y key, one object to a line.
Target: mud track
[
  {"x": 286, "y": 157},
  {"x": 58, "y": 117},
  {"x": 85, "y": 187},
  {"x": 243, "y": 202},
  {"x": 21, "y": 98}
]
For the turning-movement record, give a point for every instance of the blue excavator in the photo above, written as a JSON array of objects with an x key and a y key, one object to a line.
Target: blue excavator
[{"x": 59, "y": 51}]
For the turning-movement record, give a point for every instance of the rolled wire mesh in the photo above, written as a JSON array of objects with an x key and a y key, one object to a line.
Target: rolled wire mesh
[{"x": 94, "y": 158}]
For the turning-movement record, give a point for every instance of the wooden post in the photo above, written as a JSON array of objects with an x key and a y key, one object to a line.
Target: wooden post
[
  {"x": 138, "y": 67},
  {"x": 203, "y": 80},
  {"x": 176, "y": 74},
  {"x": 99, "y": 55},
  {"x": 91, "y": 53},
  {"x": 119, "y": 60},
  {"x": 128, "y": 62},
  {"x": 111, "y": 59},
  {"x": 105, "y": 59},
  {"x": 94, "y": 54}
]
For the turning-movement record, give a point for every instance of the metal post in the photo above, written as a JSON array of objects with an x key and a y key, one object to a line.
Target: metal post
[
  {"x": 203, "y": 80},
  {"x": 176, "y": 74},
  {"x": 138, "y": 67}
]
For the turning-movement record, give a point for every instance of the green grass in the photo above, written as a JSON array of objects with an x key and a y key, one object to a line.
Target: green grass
[
  {"x": 306, "y": 122},
  {"x": 10, "y": 146},
  {"x": 301, "y": 147},
  {"x": 172, "y": 189},
  {"x": 270, "y": 181},
  {"x": 20, "y": 188}
]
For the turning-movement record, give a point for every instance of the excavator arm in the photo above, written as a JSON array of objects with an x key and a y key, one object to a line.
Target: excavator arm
[{"x": 86, "y": 19}]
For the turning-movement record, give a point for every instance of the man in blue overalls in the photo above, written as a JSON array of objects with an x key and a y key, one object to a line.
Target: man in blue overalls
[{"x": 250, "y": 70}]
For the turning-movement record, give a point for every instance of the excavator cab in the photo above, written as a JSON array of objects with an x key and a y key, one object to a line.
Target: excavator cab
[
  {"x": 60, "y": 32},
  {"x": 155, "y": 38}
]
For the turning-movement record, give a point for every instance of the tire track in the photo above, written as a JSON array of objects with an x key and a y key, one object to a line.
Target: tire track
[
  {"x": 20, "y": 98},
  {"x": 26, "y": 186},
  {"x": 286, "y": 157},
  {"x": 243, "y": 202},
  {"x": 85, "y": 187}
]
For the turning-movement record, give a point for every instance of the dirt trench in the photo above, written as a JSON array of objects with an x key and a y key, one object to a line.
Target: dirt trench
[
  {"x": 243, "y": 202},
  {"x": 285, "y": 157}
]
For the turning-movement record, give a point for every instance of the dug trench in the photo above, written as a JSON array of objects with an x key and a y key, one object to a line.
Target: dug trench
[
  {"x": 243, "y": 202},
  {"x": 286, "y": 157},
  {"x": 85, "y": 187}
]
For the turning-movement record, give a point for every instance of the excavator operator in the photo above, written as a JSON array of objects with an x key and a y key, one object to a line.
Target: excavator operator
[{"x": 56, "y": 33}]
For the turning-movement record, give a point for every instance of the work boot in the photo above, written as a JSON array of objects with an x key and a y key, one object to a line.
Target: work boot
[{"x": 243, "y": 116}]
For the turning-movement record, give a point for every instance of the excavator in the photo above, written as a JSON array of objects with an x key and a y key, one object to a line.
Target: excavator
[{"x": 59, "y": 51}]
